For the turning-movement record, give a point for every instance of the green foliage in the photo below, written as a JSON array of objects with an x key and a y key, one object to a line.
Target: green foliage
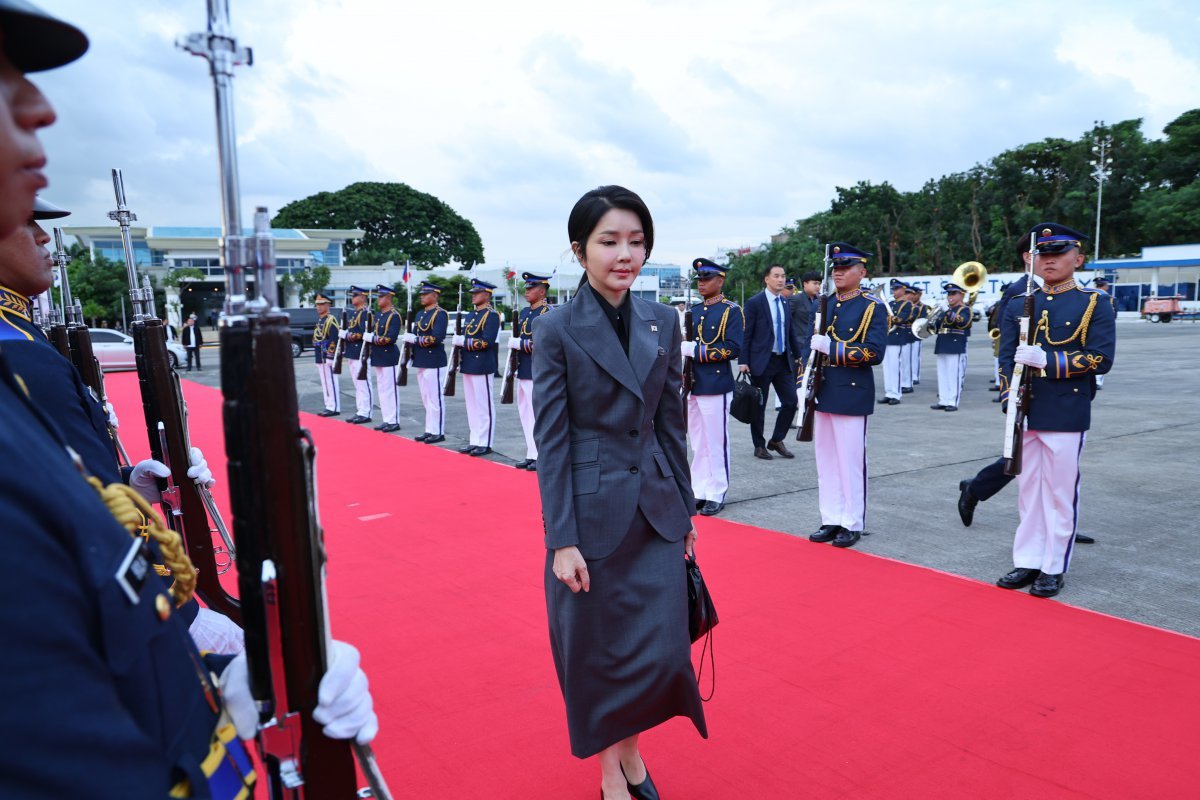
[
  {"x": 100, "y": 285},
  {"x": 179, "y": 274},
  {"x": 309, "y": 281},
  {"x": 1151, "y": 197},
  {"x": 399, "y": 223}
]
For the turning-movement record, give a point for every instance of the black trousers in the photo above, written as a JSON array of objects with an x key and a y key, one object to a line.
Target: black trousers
[
  {"x": 780, "y": 374},
  {"x": 193, "y": 353},
  {"x": 990, "y": 480}
]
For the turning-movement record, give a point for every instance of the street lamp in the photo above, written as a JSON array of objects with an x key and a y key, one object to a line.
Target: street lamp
[{"x": 1101, "y": 169}]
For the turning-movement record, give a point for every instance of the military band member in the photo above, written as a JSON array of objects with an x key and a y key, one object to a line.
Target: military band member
[
  {"x": 852, "y": 341},
  {"x": 717, "y": 325},
  {"x": 907, "y": 376},
  {"x": 1102, "y": 284},
  {"x": 536, "y": 287},
  {"x": 387, "y": 326},
  {"x": 900, "y": 317},
  {"x": 921, "y": 311},
  {"x": 429, "y": 357},
  {"x": 1074, "y": 334},
  {"x": 951, "y": 349},
  {"x": 478, "y": 362},
  {"x": 325, "y": 339},
  {"x": 357, "y": 325}
]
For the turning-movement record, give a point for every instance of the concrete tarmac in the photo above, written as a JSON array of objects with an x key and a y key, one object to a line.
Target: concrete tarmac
[{"x": 1138, "y": 492}]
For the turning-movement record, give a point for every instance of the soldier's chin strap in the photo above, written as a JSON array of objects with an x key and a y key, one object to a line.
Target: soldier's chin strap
[{"x": 137, "y": 516}]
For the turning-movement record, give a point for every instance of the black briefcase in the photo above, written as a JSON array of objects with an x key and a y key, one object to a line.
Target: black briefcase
[{"x": 746, "y": 399}]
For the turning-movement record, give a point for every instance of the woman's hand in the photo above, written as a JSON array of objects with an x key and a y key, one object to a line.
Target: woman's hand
[
  {"x": 570, "y": 568},
  {"x": 689, "y": 543}
]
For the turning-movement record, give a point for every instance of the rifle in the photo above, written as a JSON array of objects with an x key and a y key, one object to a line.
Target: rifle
[
  {"x": 689, "y": 374},
  {"x": 281, "y": 552},
  {"x": 510, "y": 368},
  {"x": 456, "y": 358},
  {"x": 188, "y": 506},
  {"x": 1021, "y": 385},
  {"x": 57, "y": 318},
  {"x": 339, "y": 350},
  {"x": 814, "y": 370},
  {"x": 407, "y": 352},
  {"x": 364, "y": 355}
]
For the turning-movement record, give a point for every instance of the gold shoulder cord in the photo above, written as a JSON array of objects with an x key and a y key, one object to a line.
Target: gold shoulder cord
[
  {"x": 478, "y": 326},
  {"x": 719, "y": 335},
  {"x": 1080, "y": 332},
  {"x": 136, "y": 516},
  {"x": 860, "y": 334}
]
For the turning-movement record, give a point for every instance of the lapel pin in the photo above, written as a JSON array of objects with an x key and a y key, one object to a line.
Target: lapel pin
[{"x": 654, "y": 328}]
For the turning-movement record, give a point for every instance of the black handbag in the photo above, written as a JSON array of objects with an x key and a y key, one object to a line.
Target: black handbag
[
  {"x": 746, "y": 399},
  {"x": 702, "y": 618}
]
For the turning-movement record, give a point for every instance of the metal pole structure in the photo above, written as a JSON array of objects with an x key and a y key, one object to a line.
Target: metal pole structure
[{"x": 1101, "y": 169}]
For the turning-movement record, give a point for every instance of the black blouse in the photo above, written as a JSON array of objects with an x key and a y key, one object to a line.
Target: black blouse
[{"x": 619, "y": 316}]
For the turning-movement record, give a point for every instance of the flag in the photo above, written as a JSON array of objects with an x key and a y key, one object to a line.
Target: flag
[{"x": 406, "y": 275}]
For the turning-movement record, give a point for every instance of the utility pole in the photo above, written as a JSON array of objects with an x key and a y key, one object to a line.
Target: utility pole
[{"x": 1101, "y": 169}]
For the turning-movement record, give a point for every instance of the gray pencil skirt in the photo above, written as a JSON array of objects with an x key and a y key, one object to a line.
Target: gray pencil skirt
[{"x": 621, "y": 650}]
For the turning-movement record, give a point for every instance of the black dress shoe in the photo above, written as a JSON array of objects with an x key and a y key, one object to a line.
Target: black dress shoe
[
  {"x": 522, "y": 464},
  {"x": 358, "y": 420},
  {"x": 381, "y": 426},
  {"x": 646, "y": 790},
  {"x": 466, "y": 450},
  {"x": 761, "y": 452},
  {"x": 937, "y": 406},
  {"x": 884, "y": 401},
  {"x": 906, "y": 391},
  {"x": 422, "y": 438},
  {"x": 966, "y": 502},
  {"x": 434, "y": 439},
  {"x": 712, "y": 507},
  {"x": 1083, "y": 538},
  {"x": 479, "y": 451},
  {"x": 846, "y": 538},
  {"x": 827, "y": 533},
  {"x": 780, "y": 448},
  {"x": 328, "y": 413},
  {"x": 1047, "y": 585},
  {"x": 995, "y": 399},
  {"x": 893, "y": 401},
  {"x": 532, "y": 466},
  {"x": 951, "y": 408},
  {"x": 1019, "y": 578},
  {"x": 391, "y": 427}
]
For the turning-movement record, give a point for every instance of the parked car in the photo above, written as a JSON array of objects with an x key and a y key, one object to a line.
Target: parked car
[
  {"x": 114, "y": 350},
  {"x": 302, "y": 321}
]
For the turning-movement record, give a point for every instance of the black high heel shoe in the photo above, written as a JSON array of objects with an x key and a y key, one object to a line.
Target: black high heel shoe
[{"x": 646, "y": 790}]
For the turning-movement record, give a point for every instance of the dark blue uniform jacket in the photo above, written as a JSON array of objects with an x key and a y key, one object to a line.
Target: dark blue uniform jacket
[
  {"x": 858, "y": 327},
  {"x": 481, "y": 328},
  {"x": 717, "y": 331},
  {"x": 430, "y": 330}
]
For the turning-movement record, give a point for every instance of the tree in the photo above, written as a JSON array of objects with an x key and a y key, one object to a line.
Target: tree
[
  {"x": 100, "y": 285},
  {"x": 398, "y": 221},
  {"x": 309, "y": 281}
]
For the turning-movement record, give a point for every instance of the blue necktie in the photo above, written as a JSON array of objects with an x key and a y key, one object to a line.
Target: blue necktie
[{"x": 779, "y": 325}]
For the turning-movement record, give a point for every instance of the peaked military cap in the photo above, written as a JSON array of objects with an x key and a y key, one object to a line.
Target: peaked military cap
[
  {"x": 847, "y": 255},
  {"x": 33, "y": 40},
  {"x": 427, "y": 287},
  {"x": 706, "y": 268},
  {"x": 353, "y": 290},
  {"x": 1055, "y": 238},
  {"x": 44, "y": 209},
  {"x": 481, "y": 286},
  {"x": 382, "y": 290},
  {"x": 896, "y": 283},
  {"x": 1101, "y": 279},
  {"x": 322, "y": 298},
  {"x": 791, "y": 282},
  {"x": 532, "y": 280},
  {"x": 950, "y": 286}
]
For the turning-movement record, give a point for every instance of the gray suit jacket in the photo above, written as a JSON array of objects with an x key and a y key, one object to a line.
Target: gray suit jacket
[{"x": 609, "y": 429}]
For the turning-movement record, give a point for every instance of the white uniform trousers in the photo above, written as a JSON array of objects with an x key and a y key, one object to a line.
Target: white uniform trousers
[
  {"x": 430, "y": 380},
  {"x": 840, "y": 447},
  {"x": 389, "y": 403},
  {"x": 364, "y": 398},
  {"x": 906, "y": 373},
  {"x": 525, "y": 409},
  {"x": 891, "y": 371},
  {"x": 708, "y": 428},
  {"x": 481, "y": 408},
  {"x": 952, "y": 368},
  {"x": 1048, "y": 500},
  {"x": 995, "y": 371},
  {"x": 915, "y": 366},
  {"x": 329, "y": 387}
]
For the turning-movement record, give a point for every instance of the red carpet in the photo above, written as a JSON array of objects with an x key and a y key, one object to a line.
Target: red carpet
[{"x": 839, "y": 674}]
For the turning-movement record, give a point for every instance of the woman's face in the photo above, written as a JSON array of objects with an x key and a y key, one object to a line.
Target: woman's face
[
  {"x": 615, "y": 251},
  {"x": 23, "y": 110}
]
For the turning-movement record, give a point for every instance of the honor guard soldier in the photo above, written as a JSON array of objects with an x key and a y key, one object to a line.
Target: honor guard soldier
[
  {"x": 356, "y": 327},
  {"x": 387, "y": 326},
  {"x": 921, "y": 310},
  {"x": 718, "y": 325},
  {"x": 481, "y": 328},
  {"x": 325, "y": 339},
  {"x": 1074, "y": 340},
  {"x": 951, "y": 348},
  {"x": 429, "y": 357},
  {"x": 852, "y": 341},
  {"x": 1101, "y": 283},
  {"x": 536, "y": 287},
  {"x": 900, "y": 316}
]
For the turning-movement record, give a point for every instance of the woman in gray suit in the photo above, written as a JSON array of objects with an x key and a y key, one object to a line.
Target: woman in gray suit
[{"x": 616, "y": 497}]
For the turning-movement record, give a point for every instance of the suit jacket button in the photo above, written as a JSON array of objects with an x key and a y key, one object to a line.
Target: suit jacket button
[
  {"x": 852, "y": 383},
  {"x": 633, "y": 433},
  {"x": 633, "y": 470}
]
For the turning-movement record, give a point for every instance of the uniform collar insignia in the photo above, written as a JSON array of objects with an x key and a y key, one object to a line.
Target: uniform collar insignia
[
  {"x": 1065, "y": 286},
  {"x": 712, "y": 301},
  {"x": 14, "y": 302},
  {"x": 850, "y": 295}
]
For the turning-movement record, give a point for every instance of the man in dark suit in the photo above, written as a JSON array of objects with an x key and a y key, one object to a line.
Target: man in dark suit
[
  {"x": 769, "y": 353},
  {"x": 193, "y": 340}
]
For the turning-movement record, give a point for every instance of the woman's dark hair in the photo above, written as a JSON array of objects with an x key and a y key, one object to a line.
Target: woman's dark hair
[{"x": 586, "y": 214}]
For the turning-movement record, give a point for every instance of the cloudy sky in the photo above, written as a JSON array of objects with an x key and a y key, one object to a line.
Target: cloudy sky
[{"x": 731, "y": 118}]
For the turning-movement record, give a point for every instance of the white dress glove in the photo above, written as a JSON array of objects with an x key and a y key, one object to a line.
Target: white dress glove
[
  {"x": 144, "y": 479},
  {"x": 343, "y": 334},
  {"x": 687, "y": 349},
  {"x": 235, "y": 692},
  {"x": 820, "y": 343},
  {"x": 199, "y": 471},
  {"x": 514, "y": 342},
  {"x": 113, "y": 422},
  {"x": 459, "y": 341},
  {"x": 368, "y": 337},
  {"x": 217, "y": 633},
  {"x": 1031, "y": 355},
  {"x": 410, "y": 338}
]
